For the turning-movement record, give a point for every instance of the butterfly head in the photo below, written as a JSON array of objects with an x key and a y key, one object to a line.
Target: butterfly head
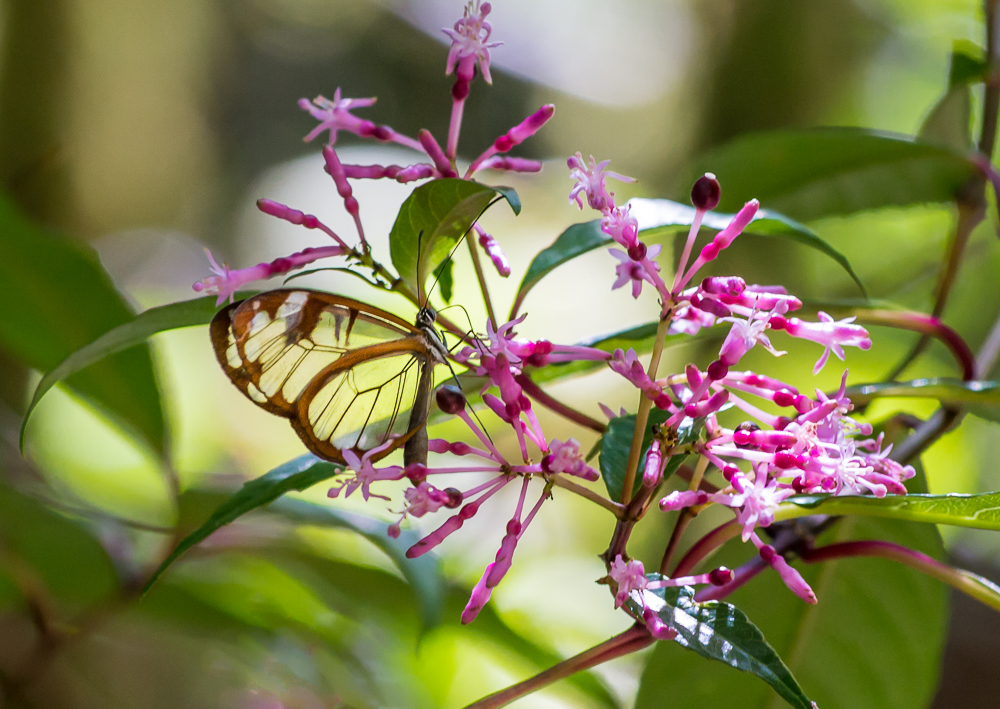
[{"x": 426, "y": 317}]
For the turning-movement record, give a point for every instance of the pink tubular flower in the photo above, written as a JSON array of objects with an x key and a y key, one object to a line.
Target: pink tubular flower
[
  {"x": 336, "y": 115},
  {"x": 621, "y": 226},
  {"x": 470, "y": 39},
  {"x": 515, "y": 136},
  {"x": 721, "y": 241},
  {"x": 493, "y": 250},
  {"x": 630, "y": 576},
  {"x": 834, "y": 335},
  {"x": 226, "y": 282},
  {"x": 743, "y": 336},
  {"x": 365, "y": 472},
  {"x": 629, "y": 270},
  {"x": 591, "y": 179},
  {"x": 566, "y": 458}
]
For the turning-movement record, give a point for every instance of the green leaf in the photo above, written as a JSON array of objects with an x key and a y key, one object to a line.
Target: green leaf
[
  {"x": 980, "y": 397},
  {"x": 873, "y": 640},
  {"x": 299, "y": 474},
  {"x": 575, "y": 241},
  {"x": 822, "y": 172},
  {"x": 423, "y": 573},
  {"x": 949, "y": 124},
  {"x": 664, "y": 214},
  {"x": 968, "y": 64},
  {"x": 187, "y": 313},
  {"x": 509, "y": 194},
  {"x": 720, "y": 631},
  {"x": 617, "y": 442},
  {"x": 444, "y": 275},
  {"x": 61, "y": 299},
  {"x": 432, "y": 220},
  {"x": 981, "y": 510}
]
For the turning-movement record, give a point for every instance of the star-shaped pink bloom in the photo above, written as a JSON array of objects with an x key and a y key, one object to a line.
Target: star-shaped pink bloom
[
  {"x": 335, "y": 115},
  {"x": 629, "y": 576},
  {"x": 635, "y": 272},
  {"x": 470, "y": 38}
]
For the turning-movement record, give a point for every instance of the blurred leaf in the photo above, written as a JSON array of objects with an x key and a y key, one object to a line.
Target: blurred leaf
[
  {"x": 656, "y": 214},
  {"x": 815, "y": 173},
  {"x": 873, "y": 640},
  {"x": 71, "y": 565},
  {"x": 981, "y": 510},
  {"x": 423, "y": 573},
  {"x": 980, "y": 397},
  {"x": 968, "y": 64},
  {"x": 617, "y": 442},
  {"x": 299, "y": 474},
  {"x": 437, "y": 214},
  {"x": 720, "y": 631},
  {"x": 62, "y": 299},
  {"x": 949, "y": 123},
  {"x": 187, "y": 313}
]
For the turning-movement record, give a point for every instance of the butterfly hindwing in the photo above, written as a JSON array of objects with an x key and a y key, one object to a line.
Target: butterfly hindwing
[{"x": 345, "y": 373}]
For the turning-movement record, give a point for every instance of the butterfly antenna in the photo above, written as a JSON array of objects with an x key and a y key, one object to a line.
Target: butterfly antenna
[{"x": 471, "y": 332}]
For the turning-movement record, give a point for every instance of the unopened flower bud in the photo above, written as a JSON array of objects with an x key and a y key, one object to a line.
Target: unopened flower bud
[
  {"x": 450, "y": 399},
  {"x": 637, "y": 252},
  {"x": 416, "y": 472},
  {"x": 720, "y": 576},
  {"x": 454, "y": 497},
  {"x": 706, "y": 192}
]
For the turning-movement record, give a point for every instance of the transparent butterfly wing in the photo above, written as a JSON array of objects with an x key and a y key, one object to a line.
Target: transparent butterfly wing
[{"x": 278, "y": 345}]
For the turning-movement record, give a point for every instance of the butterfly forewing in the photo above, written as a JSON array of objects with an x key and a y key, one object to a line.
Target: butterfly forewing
[{"x": 345, "y": 373}]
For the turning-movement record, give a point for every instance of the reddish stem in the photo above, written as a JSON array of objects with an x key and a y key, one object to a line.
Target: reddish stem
[
  {"x": 539, "y": 395},
  {"x": 704, "y": 546}
]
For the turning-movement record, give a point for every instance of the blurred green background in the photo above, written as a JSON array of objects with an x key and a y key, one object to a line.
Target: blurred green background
[{"x": 145, "y": 131}]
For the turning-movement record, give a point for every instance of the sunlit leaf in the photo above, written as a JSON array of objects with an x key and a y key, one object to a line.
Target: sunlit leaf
[
  {"x": 981, "y": 511},
  {"x": 720, "y": 631},
  {"x": 980, "y": 397},
  {"x": 432, "y": 220},
  {"x": 61, "y": 300},
  {"x": 654, "y": 214},
  {"x": 143, "y": 326},
  {"x": 822, "y": 172}
]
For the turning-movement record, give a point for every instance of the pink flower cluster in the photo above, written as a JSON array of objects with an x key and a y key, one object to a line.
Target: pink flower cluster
[{"x": 469, "y": 50}]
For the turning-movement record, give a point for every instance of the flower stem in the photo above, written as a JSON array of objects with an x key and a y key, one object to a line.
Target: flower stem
[
  {"x": 474, "y": 253},
  {"x": 614, "y": 507},
  {"x": 642, "y": 415},
  {"x": 684, "y": 517},
  {"x": 967, "y": 582},
  {"x": 633, "y": 639}
]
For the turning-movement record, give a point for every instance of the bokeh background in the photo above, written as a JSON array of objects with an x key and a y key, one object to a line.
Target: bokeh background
[{"x": 147, "y": 130}]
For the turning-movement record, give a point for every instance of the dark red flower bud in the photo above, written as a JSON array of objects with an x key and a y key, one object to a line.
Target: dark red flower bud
[
  {"x": 450, "y": 399},
  {"x": 637, "y": 252},
  {"x": 454, "y": 497},
  {"x": 720, "y": 576},
  {"x": 706, "y": 192}
]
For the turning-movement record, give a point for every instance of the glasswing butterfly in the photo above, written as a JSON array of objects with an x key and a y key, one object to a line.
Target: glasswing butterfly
[{"x": 347, "y": 375}]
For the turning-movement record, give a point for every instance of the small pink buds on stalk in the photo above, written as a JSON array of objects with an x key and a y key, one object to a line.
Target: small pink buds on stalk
[
  {"x": 705, "y": 193},
  {"x": 515, "y": 136}
]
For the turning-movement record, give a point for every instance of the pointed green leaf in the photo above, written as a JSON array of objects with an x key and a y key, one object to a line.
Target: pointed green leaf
[
  {"x": 655, "y": 214},
  {"x": 187, "y": 313},
  {"x": 980, "y": 397},
  {"x": 822, "y": 172},
  {"x": 720, "y": 631},
  {"x": 432, "y": 220},
  {"x": 510, "y": 194},
  {"x": 299, "y": 474},
  {"x": 981, "y": 510},
  {"x": 60, "y": 299}
]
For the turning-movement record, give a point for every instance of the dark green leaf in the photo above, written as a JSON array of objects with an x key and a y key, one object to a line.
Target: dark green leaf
[
  {"x": 423, "y": 573},
  {"x": 980, "y": 397},
  {"x": 815, "y": 173},
  {"x": 721, "y": 631},
  {"x": 509, "y": 194},
  {"x": 968, "y": 64},
  {"x": 62, "y": 299},
  {"x": 664, "y": 214},
  {"x": 981, "y": 511},
  {"x": 873, "y": 640},
  {"x": 617, "y": 442},
  {"x": 432, "y": 220},
  {"x": 199, "y": 311},
  {"x": 444, "y": 275},
  {"x": 575, "y": 241},
  {"x": 299, "y": 474}
]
